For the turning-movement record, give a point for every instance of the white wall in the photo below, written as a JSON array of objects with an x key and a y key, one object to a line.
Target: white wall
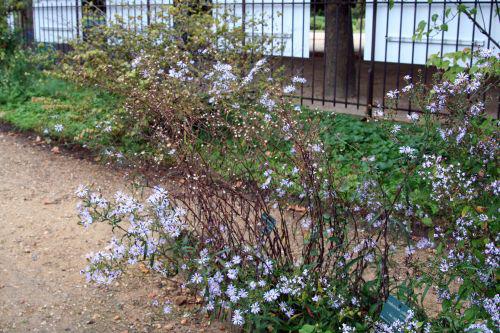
[
  {"x": 283, "y": 19},
  {"x": 396, "y": 27},
  {"x": 55, "y": 21},
  {"x": 134, "y": 13}
]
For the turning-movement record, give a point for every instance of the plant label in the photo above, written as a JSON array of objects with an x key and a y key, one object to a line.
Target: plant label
[{"x": 394, "y": 310}]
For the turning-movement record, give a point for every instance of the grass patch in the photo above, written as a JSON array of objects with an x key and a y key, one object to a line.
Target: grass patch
[{"x": 62, "y": 111}]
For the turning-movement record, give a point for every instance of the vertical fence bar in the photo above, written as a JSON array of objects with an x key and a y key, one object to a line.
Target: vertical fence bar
[
  {"x": 77, "y": 20},
  {"x": 358, "y": 89},
  {"x": 313, "y": 64},
  {"x": 292, "y": 47},
  {"x": 65, "y": 36},
  {"x": 44, "y": 17},
  {"x": 427, "y": 41},
  {"x": 336, "y": 52},
  {"x": 415, "y": 8},
  {"x": 488, "y": 46},
  {"x": 58, "y": 26},
  {"x": 148, "y": 12},
  {"x": 489, "y": 23},
  {"x": 304, "y": 46},
  {"x": 325, "y": 67},
  {"x": 52, "y": 31},
  {"x": 371, "y": 71},
  {"x": 252, "y": 39},
  {"x": 473, "y": 33},
  {"x": 398, "y": 71},
  {"x": 282, "y": 48},
  {"x": 272, "y": 29},
  {"x": 458, "y": 30},
  {"x": 346, "y": 82},
  {"x": 385, "y": 55}
]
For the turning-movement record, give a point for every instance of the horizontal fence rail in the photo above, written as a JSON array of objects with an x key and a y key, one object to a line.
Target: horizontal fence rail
[{"x": 350, "y": 52}]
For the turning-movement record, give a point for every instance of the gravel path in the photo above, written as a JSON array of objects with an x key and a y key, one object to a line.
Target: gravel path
[{"x": 42, "y": 251}]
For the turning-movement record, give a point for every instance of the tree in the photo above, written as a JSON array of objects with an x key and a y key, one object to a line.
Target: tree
[{"x": 340, "y": 72}]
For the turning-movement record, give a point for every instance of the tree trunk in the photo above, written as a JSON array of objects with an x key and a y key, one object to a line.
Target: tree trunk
[
  {"x": 340, "y": 72},
  {"x": 27, "y": 22}
]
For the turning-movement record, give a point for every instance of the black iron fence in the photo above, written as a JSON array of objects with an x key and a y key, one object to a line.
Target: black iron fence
[{"x": 350, "y": 52}]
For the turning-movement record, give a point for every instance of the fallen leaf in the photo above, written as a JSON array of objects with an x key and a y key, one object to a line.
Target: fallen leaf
[
  {"x": 180, "y": 300},
  {"x": 480, "y": 209},
  {"x": 143, "y": 269}
]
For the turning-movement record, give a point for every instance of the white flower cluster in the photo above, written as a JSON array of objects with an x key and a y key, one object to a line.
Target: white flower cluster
[
  {"x": 448, "y": 182},
  {"x": 151, "y": 226}
]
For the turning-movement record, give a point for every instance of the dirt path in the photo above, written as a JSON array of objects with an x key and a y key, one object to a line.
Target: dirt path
[{"x": 42, "y": 251}]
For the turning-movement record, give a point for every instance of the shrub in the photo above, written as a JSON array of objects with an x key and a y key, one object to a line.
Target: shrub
[
  {"x": 175, "y": 72},
  {"x": 281, "y": 240}
]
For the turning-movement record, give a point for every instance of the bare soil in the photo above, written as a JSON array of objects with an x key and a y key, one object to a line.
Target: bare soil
[{"x": 42, "y": 250}]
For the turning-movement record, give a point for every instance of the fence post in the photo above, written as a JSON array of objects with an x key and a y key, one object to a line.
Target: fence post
[{"x": 371, "y": 70}]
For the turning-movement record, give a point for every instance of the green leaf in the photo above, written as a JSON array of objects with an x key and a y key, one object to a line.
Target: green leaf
[
  {"x": 470, "y": 314},
  {"x": 427, "y": 221},
  {"x": 307, "y": 329},
  {"x": 439, "y": 249}
]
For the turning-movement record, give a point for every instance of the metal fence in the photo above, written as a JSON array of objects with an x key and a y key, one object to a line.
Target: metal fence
[{"x": 350, "y": 52}]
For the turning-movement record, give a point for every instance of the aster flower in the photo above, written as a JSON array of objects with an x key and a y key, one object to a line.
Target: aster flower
[
  {"x": 196, "y": 278},
  {"x": 297, "y": 79},
  {"x": 406, "y": 150},
  {"x": 392, "y": 94},
  {"x": 237, "y": 318},
  {"x": 255, "y": 308},
  {"x": 167, "y": 307},
  {"x": 271, "y": 295}
]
